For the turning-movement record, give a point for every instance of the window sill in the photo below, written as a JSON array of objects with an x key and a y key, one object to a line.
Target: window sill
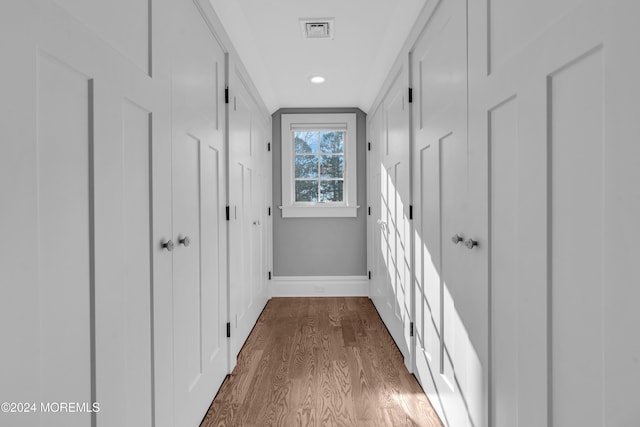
[{"x": 319, "y": 211}]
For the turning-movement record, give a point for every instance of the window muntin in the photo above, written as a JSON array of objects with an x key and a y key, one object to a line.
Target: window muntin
[{"x": 319, "y": 165}]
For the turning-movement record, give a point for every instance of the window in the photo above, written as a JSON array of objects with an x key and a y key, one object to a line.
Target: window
[{"x": 319, "y": 165}]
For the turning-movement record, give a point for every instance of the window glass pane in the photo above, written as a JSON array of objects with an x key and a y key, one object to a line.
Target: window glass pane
[
  {"x": 332, "y": 166},
  {"x": 331, "y": 191},
  {"x": 306, "y": 166},
  {"x": 306, "y": 191},
  {"x": 332, "y": 142},
  {"x": 305, "y": 142}
]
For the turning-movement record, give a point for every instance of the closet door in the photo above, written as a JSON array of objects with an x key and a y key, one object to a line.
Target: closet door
[
  {"x": 554, "y": 86},
  {"x": 248, "y": 185},
  {"x": 450, "y": 245},
  {"x": 377, "y": 231},
  {"x": 200, "y": 345},
  {"x": 81, "y": 114},
  {"x": 390, "y": 171}
]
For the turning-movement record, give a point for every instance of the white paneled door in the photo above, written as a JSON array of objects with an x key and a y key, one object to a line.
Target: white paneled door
[
  {"x": 450, "y": 237},
  {"x": 390, "y": 173},
  {"x": 249, "y": 185},
  {"x": 200, "y": 355},
  {"x": 560, "y": 104},
  {"x": 113, "y": 143},
  {"x": 80, "y": 120}
]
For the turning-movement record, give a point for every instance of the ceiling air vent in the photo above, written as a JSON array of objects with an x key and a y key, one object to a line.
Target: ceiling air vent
[{"x": 317, "y": 28}]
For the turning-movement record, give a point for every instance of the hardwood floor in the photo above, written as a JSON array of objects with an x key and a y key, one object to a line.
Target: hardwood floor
[{"x": 320, "y": 362}]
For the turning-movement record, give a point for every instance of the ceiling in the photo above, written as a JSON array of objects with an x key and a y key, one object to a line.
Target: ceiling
[{"x": 368, "y": 37}]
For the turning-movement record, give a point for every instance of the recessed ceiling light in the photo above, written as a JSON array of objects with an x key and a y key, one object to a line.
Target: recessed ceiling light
[{"x": 317, "y": 79}]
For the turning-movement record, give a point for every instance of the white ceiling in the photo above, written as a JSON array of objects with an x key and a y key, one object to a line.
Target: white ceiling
[{"x": 368, "y": 36}]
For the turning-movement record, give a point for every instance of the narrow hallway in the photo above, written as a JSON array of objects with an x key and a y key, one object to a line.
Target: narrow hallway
[
  {"x": 330, "y": 213},
  {"x": 320, "y": 362}
]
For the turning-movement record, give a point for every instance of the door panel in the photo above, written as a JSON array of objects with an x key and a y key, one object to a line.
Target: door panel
[
  {"x": 450, "y": 298},
  {"x": 248, "y": 236},
  {"x": 136, "y": 184},
  {"x": 241, "y": 287},
  {"x": 131, "y": 35},
  {"x": 621, "y": 200},
  {"x": 514, "y": 23},
  {"x": 64, "y": 242},
  {"x": 237, "y": 245},
  {"x": 555, "y": 147},
  {"x": 505, "y": 162},
  {"x": 428, "y": 289},
  {"x": 257, "y": 233},
  {"x": 428, "y": 258},
  {"x": 391, "y": 172},
  {"x": 212, "y": 259},
  {"x": 248, "y": 185},
  {"x": 577, "y": 125},
  {"x": 200, "y": 346},
  {"x": 186, "y": 266}
]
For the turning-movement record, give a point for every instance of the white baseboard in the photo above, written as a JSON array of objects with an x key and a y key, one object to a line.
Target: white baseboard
[{"x": 319, "y": 286}]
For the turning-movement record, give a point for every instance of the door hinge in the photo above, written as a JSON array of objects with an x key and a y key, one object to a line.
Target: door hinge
[
  {"x": 226, "y": 95},
  {"x": 410, "y": 211},
  {"x": 369, "y": 146},
  {"x": 269, "y": 210},
  {"x": 410, "y": 95},
  {"x": 369, "y": 210},
  {"x": 269, "y": 275},
  {"x": 268, "y": 146},
  {"x": 369, "y": 275},
  {"x": 411, "y": 329},
  {"x": 228, "y": 329},
  {"x": 228, "y": 213}
]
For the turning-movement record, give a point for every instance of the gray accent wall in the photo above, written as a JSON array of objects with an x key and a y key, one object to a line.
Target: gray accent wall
[{"x": 319, "y": 246}]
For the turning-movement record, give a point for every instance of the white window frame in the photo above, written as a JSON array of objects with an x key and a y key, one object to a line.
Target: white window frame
[{"x": 348, "y": 207}]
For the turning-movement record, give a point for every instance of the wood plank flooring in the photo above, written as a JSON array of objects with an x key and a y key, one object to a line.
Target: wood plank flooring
[{"x": 320, "y": 362}]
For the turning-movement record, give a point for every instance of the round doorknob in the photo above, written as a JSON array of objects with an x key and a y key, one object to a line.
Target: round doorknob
[
  {"x": 256, "y": 222},
  {"x": 470, "y": 243},
  {"x": 185, "y": 241},
  {"x": 457, "y": 239},
  {"x": 168, "y": 245}
]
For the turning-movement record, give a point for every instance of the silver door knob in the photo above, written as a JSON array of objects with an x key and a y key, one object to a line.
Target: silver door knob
[
  {"x": 185, "y": 241},
  {"x": 256, "y": 222},
  {"x": 168, "y": 245},
  {"x": 457, "y": 239},
  {"x": 470, "y": 243}
]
